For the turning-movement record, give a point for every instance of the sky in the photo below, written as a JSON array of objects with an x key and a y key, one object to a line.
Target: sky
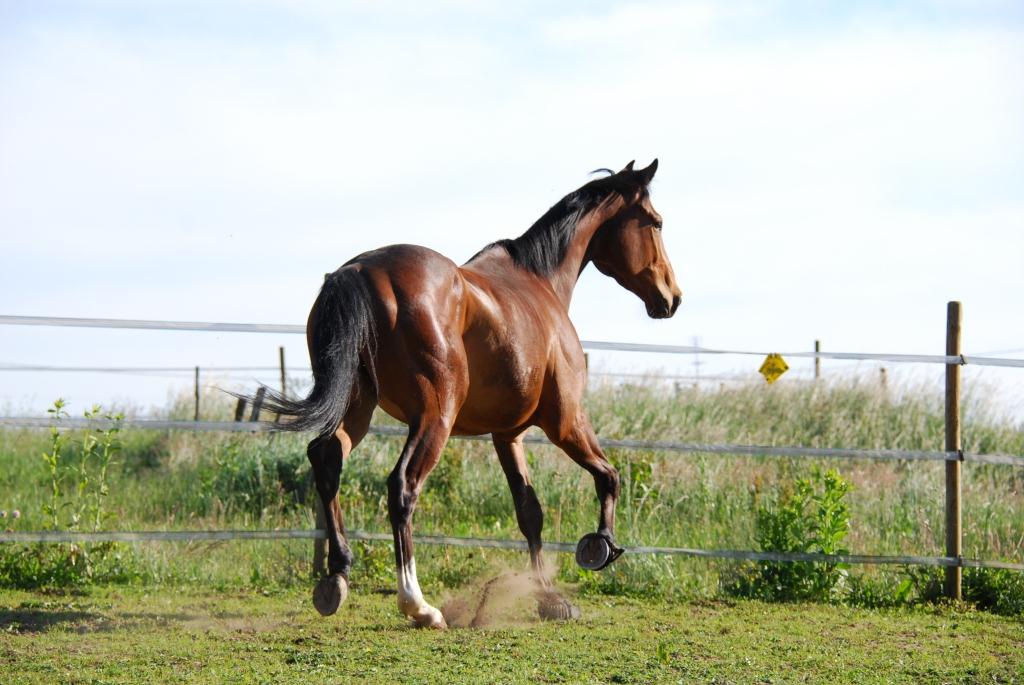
[{"x": 828, "y": 171}]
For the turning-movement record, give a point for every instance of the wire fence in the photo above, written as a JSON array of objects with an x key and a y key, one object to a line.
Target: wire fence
[
  {"x": 145, "y": 324},
  {"x": 399, "y": 432},
  {"x": 953, "y": 457},
  {"x": 492, "y": 543},
  {"x": 781, "y": 451}
]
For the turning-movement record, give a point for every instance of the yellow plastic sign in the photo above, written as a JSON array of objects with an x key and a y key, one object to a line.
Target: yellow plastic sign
[{"x": 773, "y": 367}]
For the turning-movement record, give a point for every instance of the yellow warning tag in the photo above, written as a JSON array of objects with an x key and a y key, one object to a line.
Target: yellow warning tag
[{"x": 773, "y": 367}]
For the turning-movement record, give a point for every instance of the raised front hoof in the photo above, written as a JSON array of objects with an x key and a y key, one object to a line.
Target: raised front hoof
[
  {"x": 595, "y": 551},
  {"x": 329, "y": 593},
  {"x": 553, "y": 607}
]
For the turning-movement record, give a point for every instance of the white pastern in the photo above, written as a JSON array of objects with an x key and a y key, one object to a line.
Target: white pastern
[{"x": 411, "y": 602}]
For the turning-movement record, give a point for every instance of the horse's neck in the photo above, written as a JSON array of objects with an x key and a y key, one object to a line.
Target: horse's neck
[{"x": 564, "y": 278}]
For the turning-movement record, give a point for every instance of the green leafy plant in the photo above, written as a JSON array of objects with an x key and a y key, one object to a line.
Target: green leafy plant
[
  {"x": 886, "y": 589},
  {"x": 1000, "y": 591},
  {"x": 77, "y": 475},
  {"x": 99, "y": 446},
  {"x": 810, "y": 518},
  {"x": 52, "y": 458}
]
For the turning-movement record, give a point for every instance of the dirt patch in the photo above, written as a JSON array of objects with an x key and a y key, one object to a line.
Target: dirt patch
[{"x": 504, "y": 600}]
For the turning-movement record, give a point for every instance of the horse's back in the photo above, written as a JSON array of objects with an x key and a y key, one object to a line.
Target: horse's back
[
  {"x": 492, "y": 337},
  {"x": 410, "y": 281},
  {"x": 418, "y": 299}
]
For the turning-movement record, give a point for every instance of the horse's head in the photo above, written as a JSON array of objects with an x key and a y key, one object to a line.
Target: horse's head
[{"x": 628, "y": 247}]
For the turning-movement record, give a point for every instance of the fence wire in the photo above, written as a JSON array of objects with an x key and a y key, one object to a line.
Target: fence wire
[
  {"x": 610, "y": 443},
  {"x": 491, "y": 543},
  {"x": 144, "y": 324}
]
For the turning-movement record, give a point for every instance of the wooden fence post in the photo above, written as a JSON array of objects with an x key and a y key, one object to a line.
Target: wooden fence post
[
  {"x": 817, "y": 360},
  {"x": 284, "y": 381},
  {"x": 954, "y": 539},
  {"x": 239, "y": 409},
  {"x": 257, "y": 403},
  {"x": 197, "y": 394},
  {"x": 284, "y": 386}
]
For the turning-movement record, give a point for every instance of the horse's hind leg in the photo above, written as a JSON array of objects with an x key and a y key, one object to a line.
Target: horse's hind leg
[
  {"x": 326, "y": 456},
  {"x": 550, "y": 604},
  {"x": 419, "y": 456}
]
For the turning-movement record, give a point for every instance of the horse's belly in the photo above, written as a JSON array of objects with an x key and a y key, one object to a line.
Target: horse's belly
[
  {"x": 504, "y": 391},
  {"x": 500, "y": 397},
  {"x": 496, "y": 412}
]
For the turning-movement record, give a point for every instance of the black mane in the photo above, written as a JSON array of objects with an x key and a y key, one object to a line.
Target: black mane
[{"x": 542, "y": 248}]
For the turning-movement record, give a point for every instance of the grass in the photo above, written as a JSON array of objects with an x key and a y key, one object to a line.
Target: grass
[
  {"x": 177, "y": 480},
  {"x": 120, "y": 635}
]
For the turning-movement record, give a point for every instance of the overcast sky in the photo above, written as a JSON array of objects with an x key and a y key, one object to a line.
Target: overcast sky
[{"x": 833, "y": 171}]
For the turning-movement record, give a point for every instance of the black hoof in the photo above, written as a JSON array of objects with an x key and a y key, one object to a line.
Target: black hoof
[
  {"x": 596, "y": 550},
  {"x": 554, "y": 607}
]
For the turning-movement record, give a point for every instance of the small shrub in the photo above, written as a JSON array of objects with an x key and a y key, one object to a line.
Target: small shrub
[
  {"x": 1000, "y": 591},
  {"x": 875, "y": 591},
  {"x": 250, "y": 477},
  {"x": 806, "y": 519},
  {"x": 77, "y": 488}
]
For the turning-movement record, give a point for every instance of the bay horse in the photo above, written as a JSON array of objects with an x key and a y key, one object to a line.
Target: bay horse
[{"x": 487, "y": 347}]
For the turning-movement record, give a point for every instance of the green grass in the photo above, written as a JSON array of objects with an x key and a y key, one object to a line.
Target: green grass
[
  {"x": 157, "y": 635},
  {"x": 178, "y": 480}
]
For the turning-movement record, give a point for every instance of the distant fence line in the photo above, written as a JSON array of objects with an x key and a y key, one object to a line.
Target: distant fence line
[
  {"x": 587, "y": 344},
  {"x": 190, "y": 370},
  {"x": 624, "y": 443}
]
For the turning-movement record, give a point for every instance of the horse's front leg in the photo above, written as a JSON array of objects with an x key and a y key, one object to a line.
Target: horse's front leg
[
  {"x": 419, "y": 456},
  {"x": 577, "y": 439},
  {"x": 550, "y": 604}
]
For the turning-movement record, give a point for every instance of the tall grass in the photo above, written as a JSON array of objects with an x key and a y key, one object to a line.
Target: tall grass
[{"x": 180, "y": 480}]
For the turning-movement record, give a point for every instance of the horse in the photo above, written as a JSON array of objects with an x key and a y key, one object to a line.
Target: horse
[{"x": 482, "y": 348}]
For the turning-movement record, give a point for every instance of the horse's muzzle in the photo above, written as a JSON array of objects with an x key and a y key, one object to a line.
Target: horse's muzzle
[{"x": 665, "y": 308}]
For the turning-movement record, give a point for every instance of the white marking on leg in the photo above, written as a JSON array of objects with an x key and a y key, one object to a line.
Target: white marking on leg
[{"x": 410, "y": 599}]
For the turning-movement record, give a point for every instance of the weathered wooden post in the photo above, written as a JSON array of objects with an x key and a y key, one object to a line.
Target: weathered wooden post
[
  {"x": 284, "y": 386},
  {"x": 197, "y": 394},
  {"x": 284, "y": 381},
  {"x": 954, "y": 539},
  {"x": 817, "y": 360},
  {"x": 239, "y": 409},
  {"x": 257, "y": 403}
]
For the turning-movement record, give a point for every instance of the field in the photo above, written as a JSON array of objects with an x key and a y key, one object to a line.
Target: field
[
  {"x": 134, "y": 635},
  {"x": 239, "y": 611}
]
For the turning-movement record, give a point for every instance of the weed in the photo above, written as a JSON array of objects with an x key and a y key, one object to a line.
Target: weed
[
  {"x": 805, "y": 519},
  {"x": 80, "y": 489}
]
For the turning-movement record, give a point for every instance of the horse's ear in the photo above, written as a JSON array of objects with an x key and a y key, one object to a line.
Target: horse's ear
[
  {"x": 628, "y": 167},
  {"x": 645, "y": 175}
]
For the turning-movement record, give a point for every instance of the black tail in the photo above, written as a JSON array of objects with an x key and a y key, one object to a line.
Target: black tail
[{"x": 342, "y": 330}]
